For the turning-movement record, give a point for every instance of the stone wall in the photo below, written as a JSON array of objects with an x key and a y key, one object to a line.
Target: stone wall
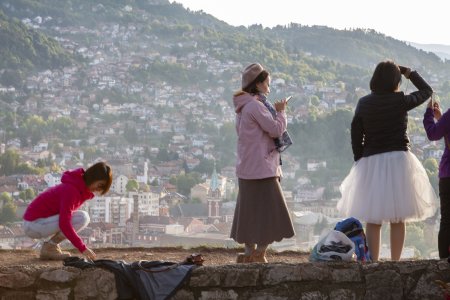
[{"x": 388, "y": 280}]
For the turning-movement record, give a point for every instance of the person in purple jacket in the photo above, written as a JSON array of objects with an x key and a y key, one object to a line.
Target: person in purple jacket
[
  {"x": 54, "y": 213},
  {"x": 261, "y": 215},
  {"x": 436, "y": 131}
]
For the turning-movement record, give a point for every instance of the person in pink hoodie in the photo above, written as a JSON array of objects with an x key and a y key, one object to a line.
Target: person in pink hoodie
[
  {"x": 55, "y": 212},
  {"x": 261, "y": 215}
]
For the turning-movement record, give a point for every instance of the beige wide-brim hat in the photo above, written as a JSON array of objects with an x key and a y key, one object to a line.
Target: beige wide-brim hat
[{"x": 250, "y": 73}]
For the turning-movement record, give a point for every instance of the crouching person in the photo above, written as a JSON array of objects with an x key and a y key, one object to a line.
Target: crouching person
[{"x": 54, "y": 214}]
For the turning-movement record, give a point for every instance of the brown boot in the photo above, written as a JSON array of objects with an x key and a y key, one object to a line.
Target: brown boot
[{"x": 51, "y": 251}]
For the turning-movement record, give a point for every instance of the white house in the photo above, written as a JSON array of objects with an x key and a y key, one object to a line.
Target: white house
[
  {"x": 119, "y": 185},
  {"x": 110, "y": 209},
  {"x": 52, "y": 179},
  {"x": 313, "y": 165},
  {"x": 148, "y": 203}
]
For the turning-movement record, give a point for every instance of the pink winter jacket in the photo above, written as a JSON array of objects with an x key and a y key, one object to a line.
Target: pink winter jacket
[
  {"x": 62, "y": 199},
  {"x": 257, "y": 156}
]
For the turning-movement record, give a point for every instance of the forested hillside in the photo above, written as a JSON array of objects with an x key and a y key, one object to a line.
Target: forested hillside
[{"x": 27, "y": 49}]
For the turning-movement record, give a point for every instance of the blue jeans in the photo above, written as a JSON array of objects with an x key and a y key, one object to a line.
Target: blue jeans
[{"x": 45, "y": 227}]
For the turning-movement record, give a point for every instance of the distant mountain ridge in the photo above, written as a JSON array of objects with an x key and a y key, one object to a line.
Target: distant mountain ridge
[{"x": 443, "y": 51}]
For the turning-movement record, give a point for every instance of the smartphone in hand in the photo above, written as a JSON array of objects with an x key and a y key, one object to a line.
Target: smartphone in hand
[{"x": 288, "y": 98}]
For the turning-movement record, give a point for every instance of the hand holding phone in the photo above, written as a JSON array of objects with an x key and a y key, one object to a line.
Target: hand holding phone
[
  {"x": 437, "y": 112},
  {"x": 288, "y": 98}
]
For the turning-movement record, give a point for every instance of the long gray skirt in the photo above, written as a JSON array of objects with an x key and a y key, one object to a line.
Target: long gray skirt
[{"x": 261, "y": 215}]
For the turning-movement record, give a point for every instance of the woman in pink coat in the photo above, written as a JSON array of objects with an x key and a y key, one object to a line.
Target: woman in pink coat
[
  {"x": 261, "y": 215},
  {"x": 55, "y": 211}
]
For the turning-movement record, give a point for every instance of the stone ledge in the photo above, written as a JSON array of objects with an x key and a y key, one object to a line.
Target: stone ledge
[{"x": 387, "y": 280}]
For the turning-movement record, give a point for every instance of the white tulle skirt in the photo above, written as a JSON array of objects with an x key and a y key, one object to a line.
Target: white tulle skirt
[{"x": 387, "y": 187}]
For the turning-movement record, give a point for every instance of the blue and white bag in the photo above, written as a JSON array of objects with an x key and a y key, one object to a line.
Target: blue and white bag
[
  {"x": 354, "y": 230},
  {"x": 334, "y": 246}
]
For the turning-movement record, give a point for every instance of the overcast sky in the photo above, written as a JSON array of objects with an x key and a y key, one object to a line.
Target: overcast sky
[{"x": 426, "y": 22}]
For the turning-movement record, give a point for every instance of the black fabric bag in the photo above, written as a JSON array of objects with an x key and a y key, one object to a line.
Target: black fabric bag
[
  {"x": 283, "y": 142},
  {"x": 155, "y": 280}
]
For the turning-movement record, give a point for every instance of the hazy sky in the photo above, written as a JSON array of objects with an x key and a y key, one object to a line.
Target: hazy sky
[{"x": 415, "y": 21}]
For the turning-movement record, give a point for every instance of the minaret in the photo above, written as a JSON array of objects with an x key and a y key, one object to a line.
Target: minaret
[{"x": 146, "y": 172}]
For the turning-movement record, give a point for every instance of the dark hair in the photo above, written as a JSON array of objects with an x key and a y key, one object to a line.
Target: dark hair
[
  {"x": 96, "y": 172},
  {"x": 386, "y": 77},
  {"x": 251, "y": 88}
]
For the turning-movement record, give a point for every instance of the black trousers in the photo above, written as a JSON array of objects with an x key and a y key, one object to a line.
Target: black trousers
[{"x": 444, "y": 229}]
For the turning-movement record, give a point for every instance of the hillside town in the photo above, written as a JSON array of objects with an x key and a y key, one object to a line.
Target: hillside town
[{"x": 159, "y": 132}]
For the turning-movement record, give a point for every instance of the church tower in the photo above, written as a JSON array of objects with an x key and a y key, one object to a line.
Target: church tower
[{"x": 214, "y": 197}]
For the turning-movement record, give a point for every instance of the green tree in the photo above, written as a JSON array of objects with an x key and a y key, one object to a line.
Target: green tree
[
  {"x": 10, "y": 164},
  {"x": 206, "y": 166},
  {"x": 8, "y": 209},
  {"x": 415, "y": 238},
  {"x": 13, "y": 78},
  {"x": 35, "y": 127},
  {"x": 185, "y": 182},
  {"x": 90, "y": 153},
  {"x": 196, "y": 200},
  {"x": 27, "y": 194},
  {"x": 163, "y": 155},
  {"x": 131, "y": 135},
  {"x": 431, "y": 165},
  {"x": 4, "y": 198},
  {"x": 314, "y": 101},
  {"x": 432, "y": 168},
  {"x": 8, "y": 213},
  {"x": 132, "y": 185},
  {"x": 9, "y": 161}
]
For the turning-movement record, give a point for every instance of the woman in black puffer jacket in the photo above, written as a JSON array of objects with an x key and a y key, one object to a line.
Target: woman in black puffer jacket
[{"x": 387, "y": 183}]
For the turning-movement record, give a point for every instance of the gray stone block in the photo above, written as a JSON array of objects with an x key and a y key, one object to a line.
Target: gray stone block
[
  {"x": 17, "y": 295},
  {"x": 206, "y": 276},
  {"x": 241, "y": 278},
  {"x": 16, "y": 280},
  {"x": 351, "y": 273},
  {"x": 314, "y": 295},
  {"x": 53, "y": 295},
  {"x": 60, "y": 275},
  {"x": 96, "y": 283},
  {"x": 411, "y": 267},
  {"x": 219, "y": 295},
  {"x": 426, "y": 288},
  {"x": 342, "y": 294},
  {"x": 315, "y": 271},
  {"x": 267, "y": 297},
  {"x": 385, "y": 284},
  {"x": 276, "y": 274},
  {"x": 183, "y": 295}
]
